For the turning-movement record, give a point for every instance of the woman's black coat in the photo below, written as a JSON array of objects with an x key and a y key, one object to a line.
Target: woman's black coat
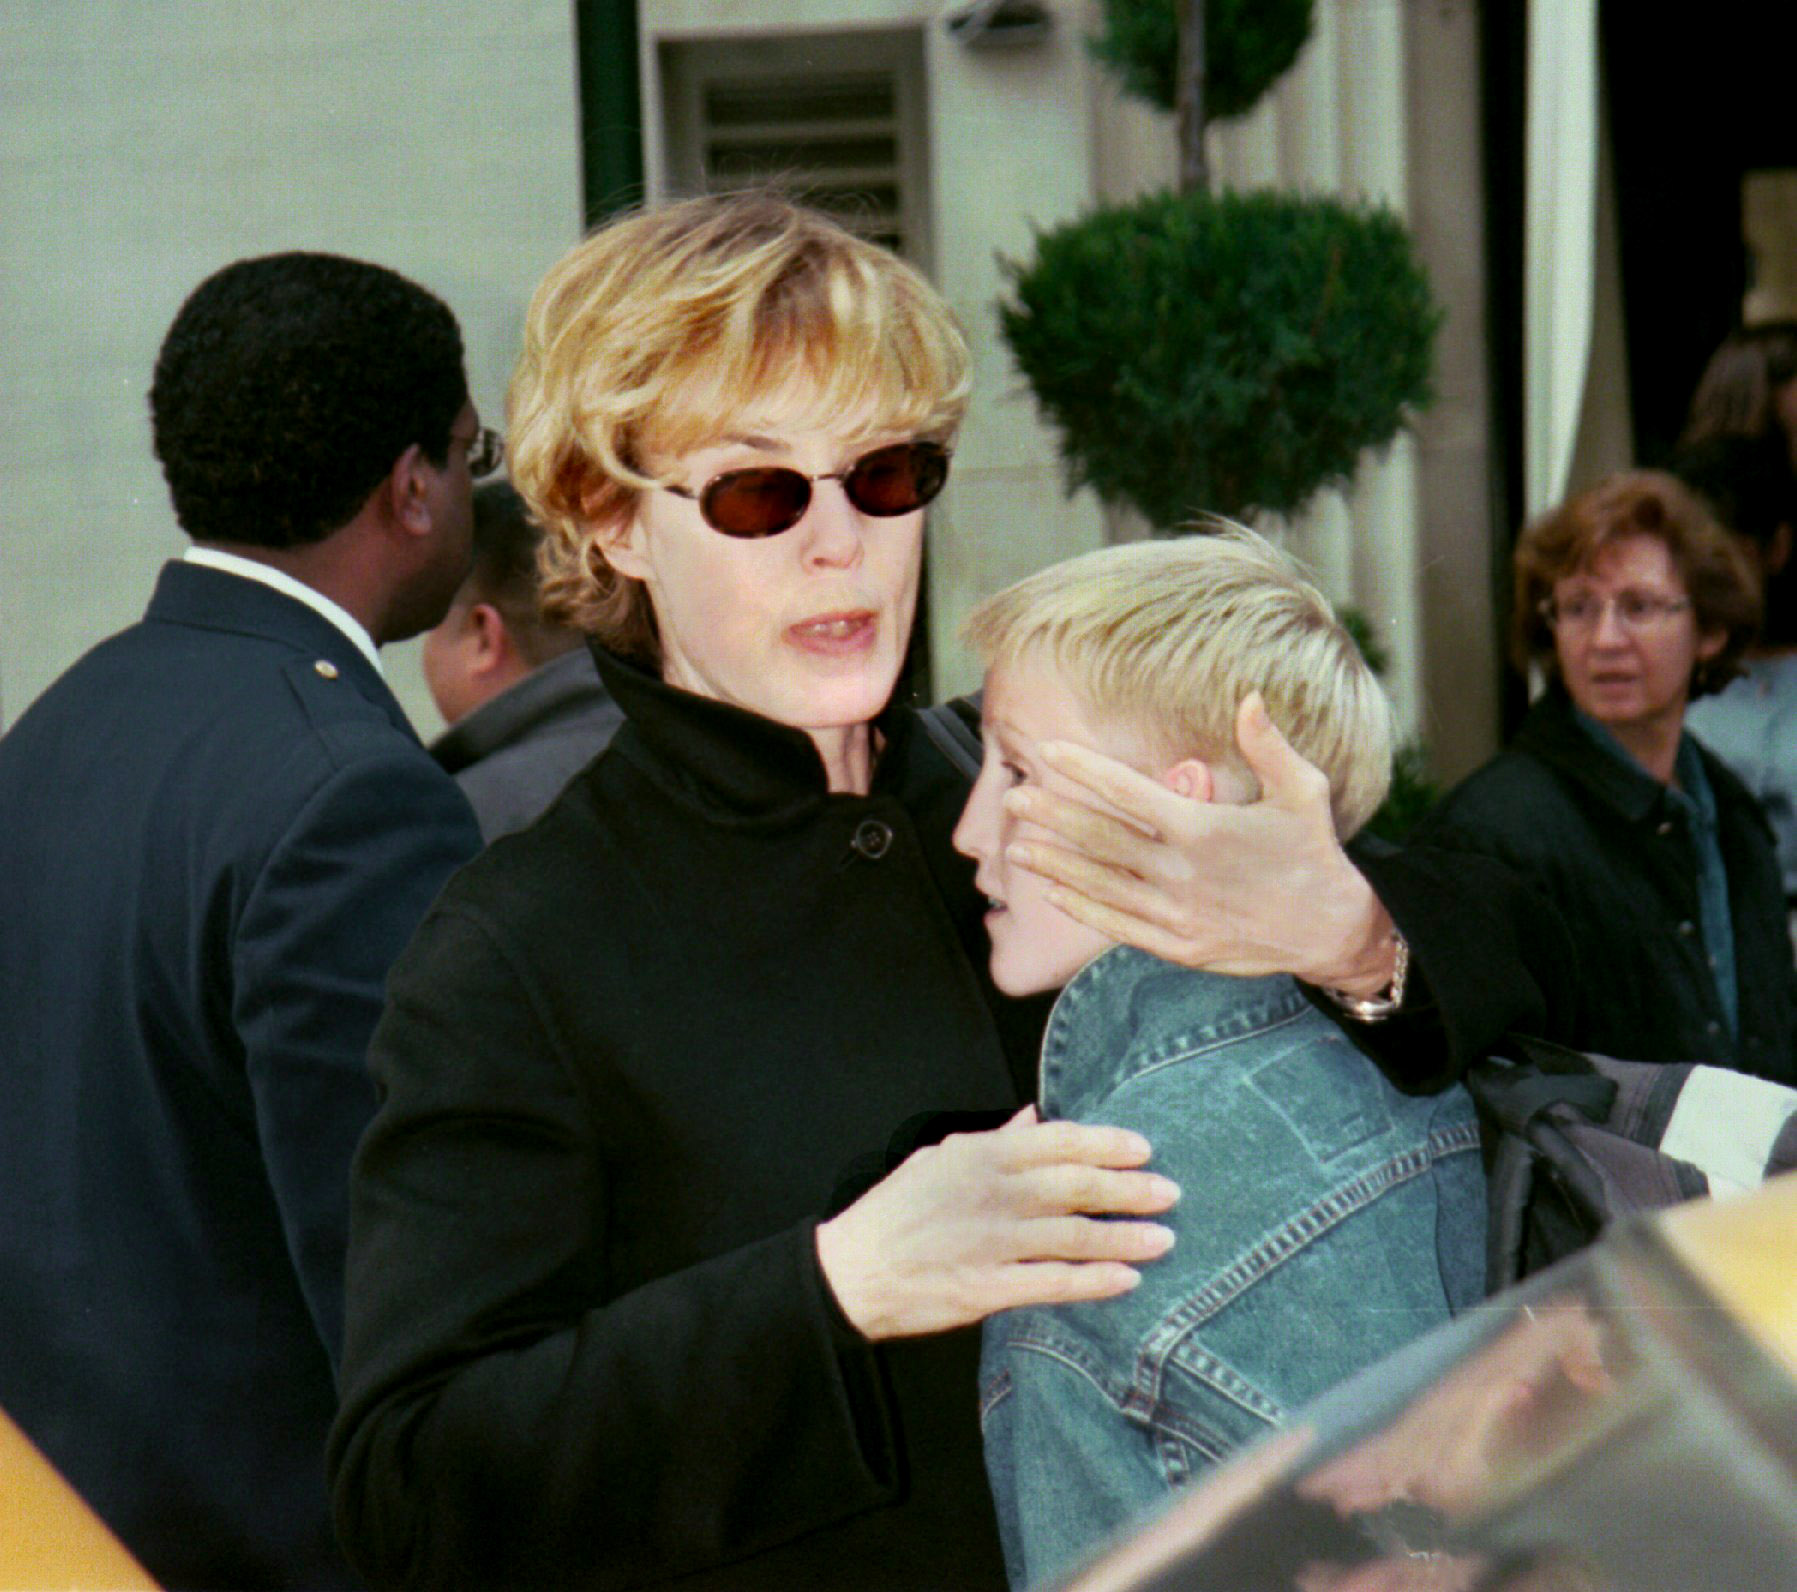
[
  {"x": 626, "y": 1065},
  {"x": 1608, "y": 848}
]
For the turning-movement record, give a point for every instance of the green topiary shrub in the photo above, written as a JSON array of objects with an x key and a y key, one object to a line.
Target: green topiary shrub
[
  {"x": 1247, "y": 45},
  {"x": 1221, "y": 353},
  {"x": 1413, "y": 793}
]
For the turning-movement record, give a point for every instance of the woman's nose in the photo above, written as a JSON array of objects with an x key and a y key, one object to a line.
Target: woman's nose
[
  {"x": 1609, "y": 630},
  {"x": 832, "y": 527}
]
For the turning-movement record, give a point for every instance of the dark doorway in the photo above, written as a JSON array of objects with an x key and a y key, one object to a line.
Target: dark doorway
[{"x": 1698, "y": 99}]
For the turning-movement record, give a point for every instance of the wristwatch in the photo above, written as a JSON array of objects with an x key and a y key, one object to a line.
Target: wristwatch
[{"x": 1376, "y": 1008}]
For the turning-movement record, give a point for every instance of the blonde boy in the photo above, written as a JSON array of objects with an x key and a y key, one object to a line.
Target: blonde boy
[{"x": 1326, "y": 1219}]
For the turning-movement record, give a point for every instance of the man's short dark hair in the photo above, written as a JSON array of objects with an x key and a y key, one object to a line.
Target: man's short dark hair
[
  {"x": 288, "y": 386},
  {"x": 506, "y": 574}
]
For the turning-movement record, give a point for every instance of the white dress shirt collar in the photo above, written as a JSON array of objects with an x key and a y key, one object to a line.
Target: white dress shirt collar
[{"x": 298, "y": 590}]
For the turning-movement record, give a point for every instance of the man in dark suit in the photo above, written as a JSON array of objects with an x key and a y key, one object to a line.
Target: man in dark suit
[{"x": 218, "y": 831}]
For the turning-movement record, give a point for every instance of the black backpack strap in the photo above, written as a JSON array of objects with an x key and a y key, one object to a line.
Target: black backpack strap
[
  {"x": 1516, "y": 1095},
  {"x": 1646, "y": 1093},
  {"x": 954, "y": 727},
  {"x": 1543, "y": 1197},
  {"x": 1551, "y": 1056},
  {"x": 1509, "y": 1183},
  {"x": 1571, "y": 1142}
]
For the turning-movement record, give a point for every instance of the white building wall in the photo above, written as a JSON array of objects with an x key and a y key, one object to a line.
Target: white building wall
[
  {"x": 1460, "y": 669},
  {"x": 143, "y": 145}
]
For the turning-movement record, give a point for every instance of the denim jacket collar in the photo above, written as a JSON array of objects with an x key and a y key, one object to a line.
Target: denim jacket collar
[{"x": 1113, "y": 1008}]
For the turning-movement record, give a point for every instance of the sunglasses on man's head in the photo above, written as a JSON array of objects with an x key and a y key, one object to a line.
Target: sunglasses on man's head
[{"x": 765, "y": 500}]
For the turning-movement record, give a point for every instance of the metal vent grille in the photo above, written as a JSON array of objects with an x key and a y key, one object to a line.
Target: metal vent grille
[{"x": 835, "y": 141}]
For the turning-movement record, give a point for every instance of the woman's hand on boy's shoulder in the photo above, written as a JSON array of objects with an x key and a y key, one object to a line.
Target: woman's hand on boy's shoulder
[
  {"x": 1025, "y": 1214},
  {"x": 1252, "y": 888}
]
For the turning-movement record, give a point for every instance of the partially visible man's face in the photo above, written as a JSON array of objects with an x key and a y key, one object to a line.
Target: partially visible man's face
[{"x": 446, "y": 557}]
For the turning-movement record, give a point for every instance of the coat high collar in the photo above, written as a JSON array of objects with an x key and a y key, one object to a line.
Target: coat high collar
[{"x": 725, "y": 757}]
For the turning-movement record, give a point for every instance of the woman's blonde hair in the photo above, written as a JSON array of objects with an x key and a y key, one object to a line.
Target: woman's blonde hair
[
  {"x": 665, "y": 330},
  {"x": 1167, "y": 638}
]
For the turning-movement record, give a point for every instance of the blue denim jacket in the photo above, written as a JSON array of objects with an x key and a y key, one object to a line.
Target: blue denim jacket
[{"x": 1325, "y": 1220}]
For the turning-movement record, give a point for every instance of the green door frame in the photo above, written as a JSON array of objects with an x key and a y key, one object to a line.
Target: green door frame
[{"x": 611, "y": 107}]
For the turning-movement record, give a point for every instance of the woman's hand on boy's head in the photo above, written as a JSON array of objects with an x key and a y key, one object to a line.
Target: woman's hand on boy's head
[{"x": 1262, "y": 887}]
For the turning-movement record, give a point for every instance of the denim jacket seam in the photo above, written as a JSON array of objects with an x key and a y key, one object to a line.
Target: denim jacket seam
[
  {"x": 1204, "y": 1367},
  {"x": 1454, "y": 1140},
  {"x": 1234, "y": 1027},
  {"x": 1133, "y": 1402},
  {"x": 1169, "y": 1342},
  {"x": 1171, "y": 1421},
  {"x": 1292, "y": 1237},
  {"x": 994, "y": 1393},
  {"x": 1179, "y": 1434},
  {"x": 1188, "y": 1049},
  {"x": 1070, "y": 1351}
]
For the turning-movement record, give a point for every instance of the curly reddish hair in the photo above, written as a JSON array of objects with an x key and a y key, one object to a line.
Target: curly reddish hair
[{"x": 1716, "y": 569}]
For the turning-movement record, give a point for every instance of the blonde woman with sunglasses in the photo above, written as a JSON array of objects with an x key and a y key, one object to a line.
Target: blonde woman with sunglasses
[{"x": 644, "y": 1285}]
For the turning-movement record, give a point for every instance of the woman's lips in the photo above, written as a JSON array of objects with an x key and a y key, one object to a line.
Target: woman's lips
[{"x": 835, "y": 635}]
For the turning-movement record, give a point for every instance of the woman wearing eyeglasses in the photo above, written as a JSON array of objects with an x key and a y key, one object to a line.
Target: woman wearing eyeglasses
[
  {"x": 643, "y": 1287},
  {"x": 1632, "y": 599}
]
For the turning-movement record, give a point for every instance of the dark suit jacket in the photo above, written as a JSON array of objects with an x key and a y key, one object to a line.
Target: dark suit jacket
[{"x": 217, "y": 831}]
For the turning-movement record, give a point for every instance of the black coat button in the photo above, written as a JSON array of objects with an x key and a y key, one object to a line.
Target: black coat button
[{"x": 872, "y": 838}]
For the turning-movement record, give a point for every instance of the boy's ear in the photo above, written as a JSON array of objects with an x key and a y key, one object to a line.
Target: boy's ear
[{"x": 1191, "y": 777}]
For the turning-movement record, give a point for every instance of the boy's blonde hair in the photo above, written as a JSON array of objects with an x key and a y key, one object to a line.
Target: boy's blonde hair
[
  {"x": 1168, "y": 637},
  {"x": 667, "y": 330}
]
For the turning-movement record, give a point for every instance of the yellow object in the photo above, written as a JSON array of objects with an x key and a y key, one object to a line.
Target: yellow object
[
  {"x": 1744, "y": 1250},
  {"x": 48, "y": 1536}
]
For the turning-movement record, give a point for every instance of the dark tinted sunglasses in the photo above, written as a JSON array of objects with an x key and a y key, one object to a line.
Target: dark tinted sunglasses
[{"x": 765, "y": 500}]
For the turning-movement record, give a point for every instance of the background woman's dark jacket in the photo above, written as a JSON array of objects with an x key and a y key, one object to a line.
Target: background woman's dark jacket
[
  {"x": 625, "y": 1065},
  {"x": 1610, "y": 849}
]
